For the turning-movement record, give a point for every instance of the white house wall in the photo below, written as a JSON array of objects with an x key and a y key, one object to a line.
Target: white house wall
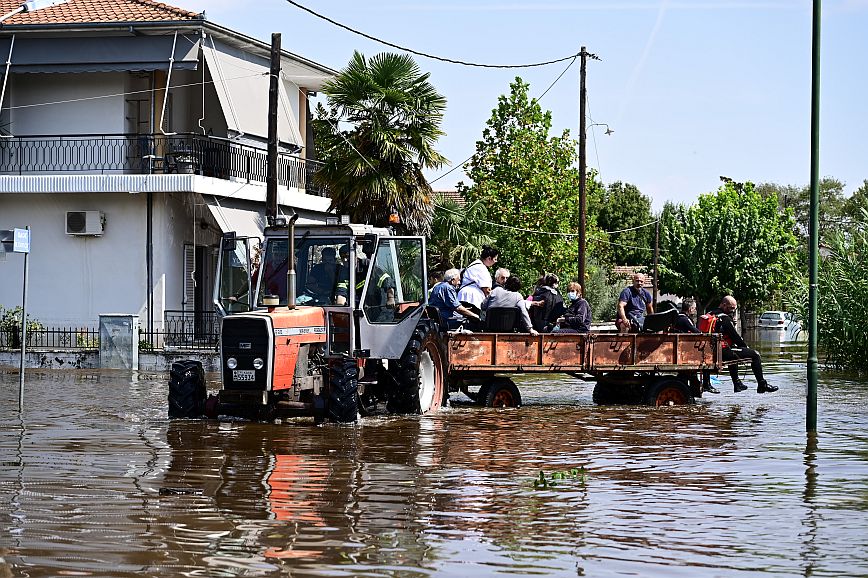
[
  {"x": 74, "y": 279},
  {"x": 104, "y": 115}
]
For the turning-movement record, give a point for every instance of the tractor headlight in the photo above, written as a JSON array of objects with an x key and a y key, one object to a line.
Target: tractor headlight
[
  {"x": 258, "y": 363},
  {"x": 231, "y": 363}
]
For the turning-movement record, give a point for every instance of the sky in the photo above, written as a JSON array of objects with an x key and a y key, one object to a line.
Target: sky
[{"x": 693, "y": 90}]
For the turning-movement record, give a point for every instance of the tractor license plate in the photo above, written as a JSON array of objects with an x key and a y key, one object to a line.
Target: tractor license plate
[{"x": 243, "y": 375}]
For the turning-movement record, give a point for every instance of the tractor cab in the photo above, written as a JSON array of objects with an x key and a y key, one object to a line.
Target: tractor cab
[{"x": 369, "y": 284}]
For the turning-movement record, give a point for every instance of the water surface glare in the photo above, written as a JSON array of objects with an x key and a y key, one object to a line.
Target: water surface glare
[{"x": 96, "y": 481}]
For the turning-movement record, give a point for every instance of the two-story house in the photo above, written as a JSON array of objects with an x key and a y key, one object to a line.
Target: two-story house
[{"x": 133, "y": 135}]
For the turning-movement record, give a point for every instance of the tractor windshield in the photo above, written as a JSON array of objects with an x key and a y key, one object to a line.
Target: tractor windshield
[{"x": 320, "y": 268}]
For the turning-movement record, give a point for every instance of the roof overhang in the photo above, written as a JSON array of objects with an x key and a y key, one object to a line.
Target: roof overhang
[{"x": 305, "y": 73}]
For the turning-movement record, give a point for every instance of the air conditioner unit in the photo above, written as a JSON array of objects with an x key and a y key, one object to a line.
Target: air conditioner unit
[{"x": 84, "y": 223}]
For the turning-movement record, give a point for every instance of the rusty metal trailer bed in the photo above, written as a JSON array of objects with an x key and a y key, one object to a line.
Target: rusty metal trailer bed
[{"x": 655, "y": 368}]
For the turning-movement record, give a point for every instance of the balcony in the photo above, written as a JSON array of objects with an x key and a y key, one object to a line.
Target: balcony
[{"x": 152, "y": 154}]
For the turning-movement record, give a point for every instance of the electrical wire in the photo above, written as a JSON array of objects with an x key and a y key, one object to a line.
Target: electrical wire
[
  {"x": 424, "y": 54},
  {"x": 537, "y": 99},
  {"x": 550, "y": 233},
  {"x": 632, "y": 228}
]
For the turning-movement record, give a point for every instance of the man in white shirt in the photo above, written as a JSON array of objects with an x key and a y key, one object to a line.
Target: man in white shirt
[{"x": 476, "y": 278}]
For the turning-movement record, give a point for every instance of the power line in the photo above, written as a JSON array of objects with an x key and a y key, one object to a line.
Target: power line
[
  {"x": 424, "y": 54},
  {"x": 537, "y": 99},
  {"x": 550, "y": 233},
  {"x": 654, "y": 222}
]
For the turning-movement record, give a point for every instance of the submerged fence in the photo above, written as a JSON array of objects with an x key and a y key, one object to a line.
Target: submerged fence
[{"x": 180, "y": 331}]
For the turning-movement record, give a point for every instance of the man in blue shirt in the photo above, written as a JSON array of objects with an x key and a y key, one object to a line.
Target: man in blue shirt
[
  {"x": 633, "y": 304},
  {"x": 444, "y": 296}
]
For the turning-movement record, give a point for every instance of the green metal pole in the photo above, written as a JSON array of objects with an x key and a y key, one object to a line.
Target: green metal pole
[{"x": 814, "y": 233}]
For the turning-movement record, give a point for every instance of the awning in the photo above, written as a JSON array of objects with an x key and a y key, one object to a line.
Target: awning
[
  {"x": 241, "y": 80},
  {"x": 106, "y": 54},
  {"x": 246, "y": 219}
]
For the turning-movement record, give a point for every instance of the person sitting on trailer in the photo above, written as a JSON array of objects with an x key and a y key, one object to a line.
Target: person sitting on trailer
[
  {"x": 577, "y": 317},
  {"x": 684, "y": 321},
  {"x": 733, "y": 346},
  {"x": 634, "y": 304},
  {"x": 500, "y": 277},
  {"x": 475, "y": 280},
  {"x": 547, "y": 304},
  {"x": 508, "y": 296},
  {"x": 444, "y": 297},
  {"x": 684, "y": 324}
]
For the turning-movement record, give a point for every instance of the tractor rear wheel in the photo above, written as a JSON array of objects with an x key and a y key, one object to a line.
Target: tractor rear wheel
[
  {"x": 343, "y": 399},
  {"x": 187, "y": 391},
  {"x": 418, "y": 375}
]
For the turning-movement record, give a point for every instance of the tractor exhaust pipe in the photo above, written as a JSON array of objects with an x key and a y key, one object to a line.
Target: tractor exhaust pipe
[{"x": 290, "y": 262}]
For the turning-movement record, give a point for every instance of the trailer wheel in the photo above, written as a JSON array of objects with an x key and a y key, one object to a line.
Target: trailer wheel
[
  {"x": 499, "y": 392},
  {"x": 604, "y": 394},
  {"x": 187, "y": 391},
  {"x": 418, "y": 375},
  {"x": 343, "y": 400},
  {"x": 669, "y": 392}
]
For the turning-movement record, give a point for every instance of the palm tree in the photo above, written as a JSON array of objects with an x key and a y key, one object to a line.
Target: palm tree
[{"x": 373, "y": 166}]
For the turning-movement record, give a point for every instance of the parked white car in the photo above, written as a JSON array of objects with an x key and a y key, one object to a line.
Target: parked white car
[{"x": 782, "y": 322}]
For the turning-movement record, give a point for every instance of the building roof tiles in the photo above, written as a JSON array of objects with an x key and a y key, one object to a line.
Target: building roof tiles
[{"x": 94, "y": 11}]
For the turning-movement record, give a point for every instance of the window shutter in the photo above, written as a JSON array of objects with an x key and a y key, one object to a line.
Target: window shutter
[{"x": 188, "y": 302}]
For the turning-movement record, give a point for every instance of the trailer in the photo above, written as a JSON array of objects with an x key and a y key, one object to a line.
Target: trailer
[
  {"x": 653, "y": 368},
  {"x": 308, "y": 335}
]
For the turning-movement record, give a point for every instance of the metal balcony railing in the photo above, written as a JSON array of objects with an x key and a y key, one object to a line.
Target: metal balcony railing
[{"x": 151, "y": 154}]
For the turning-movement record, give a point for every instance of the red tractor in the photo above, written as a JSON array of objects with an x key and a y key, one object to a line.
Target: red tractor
[{"x": 334, "y": 323}]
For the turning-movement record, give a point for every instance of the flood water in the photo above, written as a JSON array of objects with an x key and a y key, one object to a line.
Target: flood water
[{"x": 96, "y": 481}]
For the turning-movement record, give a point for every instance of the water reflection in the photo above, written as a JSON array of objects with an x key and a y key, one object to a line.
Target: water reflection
[{"x": 98, "y": 481}]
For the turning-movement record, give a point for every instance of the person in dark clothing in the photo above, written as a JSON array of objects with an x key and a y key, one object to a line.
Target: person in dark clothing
[
  {"x": 684, "y": 321},
  {"x": 684, "y": 324},
  {"x": 734, "y": 348},
  {"x": 547, "y": 304},
  {"x": 577, "y": 317}
]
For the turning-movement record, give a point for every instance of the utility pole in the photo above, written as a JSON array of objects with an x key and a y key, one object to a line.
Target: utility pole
[
  {"x": 814, "y": 227},
  {"x": 656, "y": 260},
  {"x": 583, "y": 167},
  {"x": 271, "y": 153},
  {"x": 583, "y": 163}
]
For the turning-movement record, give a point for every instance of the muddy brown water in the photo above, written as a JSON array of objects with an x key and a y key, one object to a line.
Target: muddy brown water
[{"x": 96, "y": 481}]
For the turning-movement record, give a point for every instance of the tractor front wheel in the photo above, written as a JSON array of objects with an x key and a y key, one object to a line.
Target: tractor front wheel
[{"x": 343, "y": 398}]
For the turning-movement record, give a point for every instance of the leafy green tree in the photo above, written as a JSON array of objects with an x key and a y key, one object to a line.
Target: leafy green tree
[
  {"x": 832, "y": 204},
  {"x": 854, "y": 205},
  {"x": 735, "y": 241},
  {"x": 621, "y": 207},
  {"x": 527, "y": 181},
  {"x": 458, "y": 234},
  {"x": 392, "y": 115}
]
